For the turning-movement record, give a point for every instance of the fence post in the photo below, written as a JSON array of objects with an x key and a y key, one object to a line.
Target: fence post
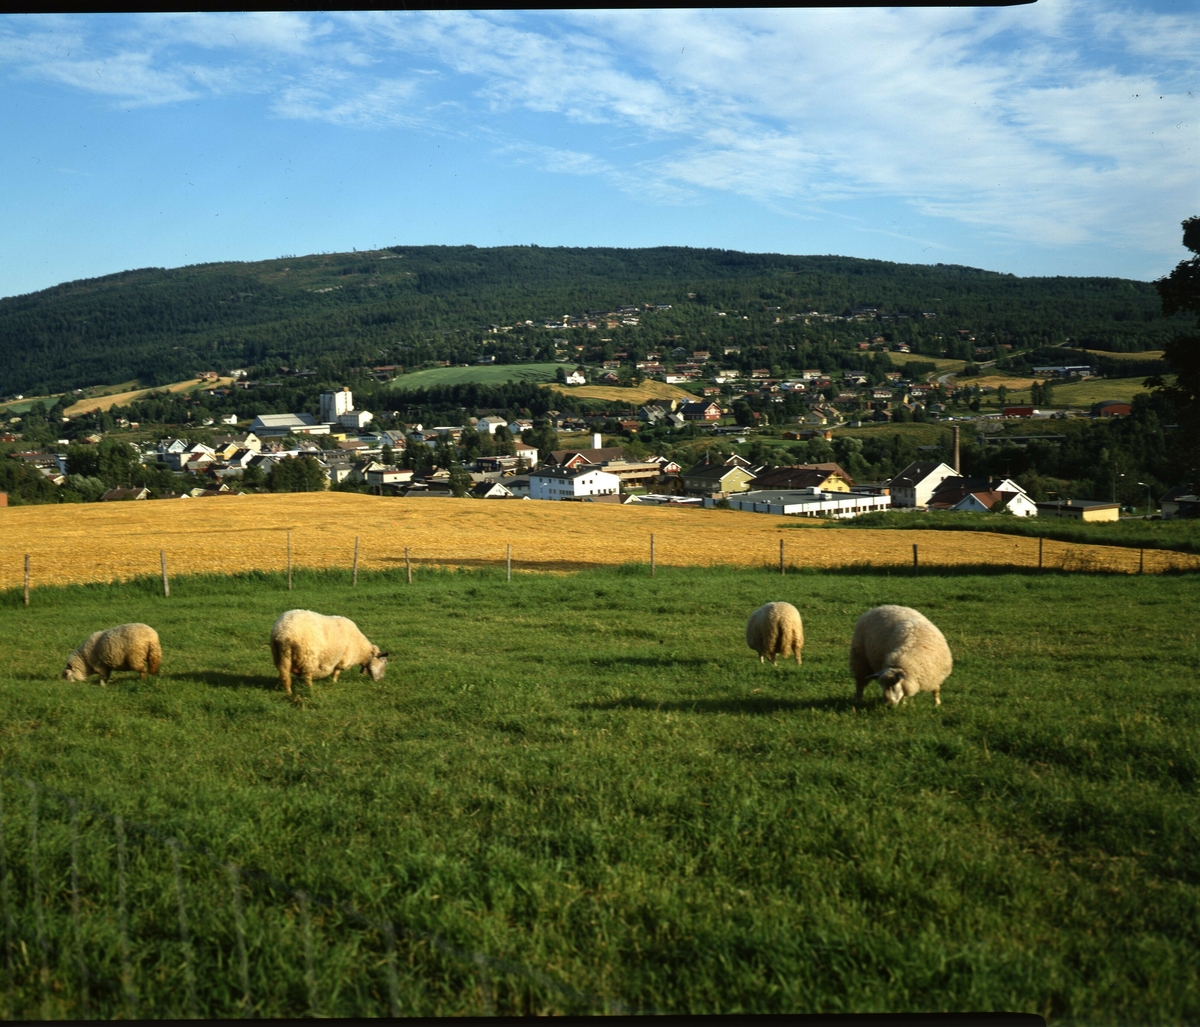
[
  {"x": 26, "y": 579},
  {"x": 914, "y": 556},
  {"x": 289, "y": 536},
  {"x": 185, "y": 941},
  {"x": 782, "y": 565},
  {"x": 1040, "y": 541},
  {"x": 123, "y": 923},
  {"x": 36, "y": 889},
  {"x": 162, "y": 557},
  {"x": 408, "y": 565},
  {"x": 508, "y": 562},
  {"x": 354, "y": 582},
  {"x": 239, "y": 923},
  {"x": 5, "y": 899},
  {"x": 80, "y": 960},
  {"x": 651, "y": 554}
]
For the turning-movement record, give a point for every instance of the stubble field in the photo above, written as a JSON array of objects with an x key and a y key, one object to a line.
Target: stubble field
[{"x": 119, "y": 541}]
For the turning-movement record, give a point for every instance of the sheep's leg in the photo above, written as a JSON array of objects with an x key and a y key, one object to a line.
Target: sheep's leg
[
  {"x": 336, "y": 673},
  {"x": 104, "y": 673},
  {"x": 774, "y": 658},
  {"x": 937, "y": 696},
  {"x": 761, "y": 658}
]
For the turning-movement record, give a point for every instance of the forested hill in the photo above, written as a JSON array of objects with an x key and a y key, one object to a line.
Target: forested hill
[{"x": 407, "y": 305}]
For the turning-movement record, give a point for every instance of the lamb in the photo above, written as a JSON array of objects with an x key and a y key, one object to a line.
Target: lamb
[
  {"x": 315, "y": 646},
  {"x": 903, "y": 650},
  {"x": 125, "y": 647},
  {"x": 775, "y": 630}
]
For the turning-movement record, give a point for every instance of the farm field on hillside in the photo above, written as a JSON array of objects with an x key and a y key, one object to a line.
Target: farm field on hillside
[
  {"x": 644, "y": 393},
  {"x": 583, "y": 789},
  {"x": 1148, "y": 354},
  {"x": 109, "y": 400},
  {"x": 921, "y": 434},
  {"x": 111, "y": 541},
  {"x": 1082, "y": 395},
  {"x": 489, "y": 374}
]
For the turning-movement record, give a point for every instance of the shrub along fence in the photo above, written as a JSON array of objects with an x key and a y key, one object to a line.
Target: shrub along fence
[{"x": 104, "y": 918}]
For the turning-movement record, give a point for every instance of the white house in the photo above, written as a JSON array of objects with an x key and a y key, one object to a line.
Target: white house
[
  {"x": 576, "y": 377},
  {"x": 527, "y": 453},
  {"x": 916, "y": 484},
  {"x": 572, "y": 483}
]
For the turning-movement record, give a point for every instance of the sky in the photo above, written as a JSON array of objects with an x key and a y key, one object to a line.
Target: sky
[{"x": 1058, "y": 138}]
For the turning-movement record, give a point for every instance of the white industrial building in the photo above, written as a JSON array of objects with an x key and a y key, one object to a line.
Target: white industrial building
[
  {"x": 572, "y": 483},
  {"x": 810, "y": 502},
  {"x": 338, "y": 408}
]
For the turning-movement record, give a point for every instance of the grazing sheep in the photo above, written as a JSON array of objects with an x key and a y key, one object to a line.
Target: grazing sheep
[
  {"x": 125, "y": 647},
  {"x": 775, "y": 630},
  {"x": 903, "y": 650},
  {"x": 315, "y": 646}
]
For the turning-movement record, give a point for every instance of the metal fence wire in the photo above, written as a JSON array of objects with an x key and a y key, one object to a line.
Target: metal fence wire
[{"x": 106, "y": 918}]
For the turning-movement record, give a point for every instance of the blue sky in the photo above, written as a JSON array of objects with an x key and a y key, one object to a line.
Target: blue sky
[{"x": 1056, "y": 138}]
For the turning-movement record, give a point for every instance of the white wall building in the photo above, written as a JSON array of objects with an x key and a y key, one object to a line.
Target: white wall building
[
  {"x": 810, "y": 502},
  {"x": 567, "y": 483},
  {"x": 916, "y": 484},
  {"x": 334, "y": 404}
]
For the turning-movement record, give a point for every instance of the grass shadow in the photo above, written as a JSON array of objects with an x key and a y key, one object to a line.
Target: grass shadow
[
  {"x": 648, "y": 661},
  {"x": 751, "y": 705},
  {"x": 220, "y": 679}
]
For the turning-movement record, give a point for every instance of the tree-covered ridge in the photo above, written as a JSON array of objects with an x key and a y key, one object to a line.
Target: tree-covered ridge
[{"x": 410, "y": 305}]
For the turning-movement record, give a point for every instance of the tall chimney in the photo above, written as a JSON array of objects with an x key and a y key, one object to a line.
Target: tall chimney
[
  {"x": 596, "y": 440},
  {"x": 957, "y": 469}
]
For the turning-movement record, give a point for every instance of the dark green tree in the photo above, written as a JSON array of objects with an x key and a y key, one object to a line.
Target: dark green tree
[{"x": 1180, "y": 292}]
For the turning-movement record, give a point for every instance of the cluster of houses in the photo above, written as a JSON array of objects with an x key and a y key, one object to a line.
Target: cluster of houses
[{"x": 349, "y": 450}]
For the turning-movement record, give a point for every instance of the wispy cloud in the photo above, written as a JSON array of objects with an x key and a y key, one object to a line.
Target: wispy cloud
[{"x": 1057, "y": 124}]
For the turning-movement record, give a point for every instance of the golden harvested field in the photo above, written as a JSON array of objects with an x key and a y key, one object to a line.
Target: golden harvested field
[
  {"x": 994, "y": 381},
  {"x": 110, "y": 541},
  {"x": 94, "y": 403},
  {"x": 1148, "y": 354},
  {"x": 644, "y": 393}
]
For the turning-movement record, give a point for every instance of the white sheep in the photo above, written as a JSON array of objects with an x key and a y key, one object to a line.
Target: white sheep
[
  {"x": 775, "y": 630},
  {"x": 312, "y": 645},
  {"x": 125, "y": 647},
  {"x": 903, "y": 650}
]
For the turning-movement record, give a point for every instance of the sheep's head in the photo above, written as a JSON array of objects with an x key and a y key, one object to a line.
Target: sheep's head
[
  {"x": 75, "y": 670},
  {"x": 376, "y": 665},
  {"x": 892, "y": 683}
]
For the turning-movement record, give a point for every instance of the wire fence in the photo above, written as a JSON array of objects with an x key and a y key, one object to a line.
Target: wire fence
[{"x": 106, "y": 918}]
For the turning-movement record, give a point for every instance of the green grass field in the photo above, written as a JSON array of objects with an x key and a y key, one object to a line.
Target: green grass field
[
  {"x": 926, "y": 434},
  {"x": 494, "y": 374},
  {"x": 1183, "y": 536},
  {"x": 591, "y": 778},
  {"x": 1081, "y": 395}
]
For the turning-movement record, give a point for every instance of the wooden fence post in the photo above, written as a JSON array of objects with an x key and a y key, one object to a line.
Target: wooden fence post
[
  {"x": 162, "y": 556},
  {"x": 508, "y": 562},
  {"x": 354, "y": 581},
  {"x": 782, "y": 565},
  {"x": 1040, "y": 541},
  {"x": 652, "y": 554},
  {"x": 408, "y": 565},
  {"x": 289, "y": 559},
  {"x": 914, "y": 556},
  {"x": 26, "y": 579}
]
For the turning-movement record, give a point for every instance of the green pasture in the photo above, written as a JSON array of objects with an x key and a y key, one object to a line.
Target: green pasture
[
  {"x": 589, "y": 781},
  {"x": 1082, "y": 394},
  {"x": 920, "y": 433},
  {"x": 490, "y": 374},
  {"x": 1183, "y": 536}
]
